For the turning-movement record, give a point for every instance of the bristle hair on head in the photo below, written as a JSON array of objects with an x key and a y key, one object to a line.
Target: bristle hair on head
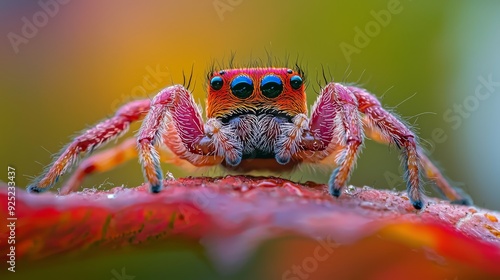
[{"x": 272, "y": 61}]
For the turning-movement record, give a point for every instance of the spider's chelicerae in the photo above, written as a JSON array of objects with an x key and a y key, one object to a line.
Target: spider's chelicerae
[{"x": 256, "y": 119}]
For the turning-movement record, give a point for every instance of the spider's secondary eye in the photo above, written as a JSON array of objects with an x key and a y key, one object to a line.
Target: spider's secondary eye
[
  {"x": 216, "y": 83},
  {"x": 296, "y": 82},
  {"x": 271, "y": 86},
  {"x": 242, "y": 86}
]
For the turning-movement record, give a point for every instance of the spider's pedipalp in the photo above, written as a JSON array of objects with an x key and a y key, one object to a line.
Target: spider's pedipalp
[
  {"x": 224, "y": 141},
  {"x": 290, "y": 138}
]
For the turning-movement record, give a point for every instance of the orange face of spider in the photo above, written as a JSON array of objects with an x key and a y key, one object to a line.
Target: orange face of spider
[{"x": 278, "y": 91}]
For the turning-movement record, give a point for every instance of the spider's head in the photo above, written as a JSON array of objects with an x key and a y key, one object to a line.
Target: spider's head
[{"x": 236, "y": 92}]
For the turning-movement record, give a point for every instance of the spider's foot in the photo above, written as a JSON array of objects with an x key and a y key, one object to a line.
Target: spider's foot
[
  {"x": 335, "y": 192},
  {"x": 233, "y": 161},
  {"x": 39, "y": 185},
  {"x": 463, "y": 199},
  {"x": 282, "y": 159},
  {"x": 156, "y": 188},
  {"x": 417, "y": 204},
  {"x": 332, "y": 187},
  {"x": 33, "y": 188},
  {"x": 416, "y": 198}
]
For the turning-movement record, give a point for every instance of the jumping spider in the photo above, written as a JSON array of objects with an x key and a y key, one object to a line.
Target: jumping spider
[{"x": 256, "y": 119}]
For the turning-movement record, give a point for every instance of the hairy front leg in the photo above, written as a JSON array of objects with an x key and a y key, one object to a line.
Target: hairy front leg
[
  {"x": 335, "y": 127},
  {"x": 337, "y": 122},
  {"x": 174, "y": 114},
  {"x": 88, "y": 141}
]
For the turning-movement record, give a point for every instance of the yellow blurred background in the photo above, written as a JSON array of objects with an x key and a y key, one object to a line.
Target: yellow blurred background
[{"x": 66, "y": 65}]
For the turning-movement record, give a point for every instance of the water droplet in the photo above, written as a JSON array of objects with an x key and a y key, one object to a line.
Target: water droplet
[
  {"x": 169, "y": 176},
  {"x": 350, "y": 189},
  {"x": 367, "y": 204}
]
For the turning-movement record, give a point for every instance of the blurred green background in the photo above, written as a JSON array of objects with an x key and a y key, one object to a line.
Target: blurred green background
[{"x": 84, "y": 58}]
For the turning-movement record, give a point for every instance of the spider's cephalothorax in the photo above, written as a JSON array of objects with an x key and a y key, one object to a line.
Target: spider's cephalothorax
[
  {"x": 256, "y": 103},
  {"x": 277, "y": 91},
  {"x": 256, "y": 119}
]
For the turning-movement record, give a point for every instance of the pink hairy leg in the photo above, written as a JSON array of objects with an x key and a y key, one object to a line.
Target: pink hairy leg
[
  {"x": 171, "y": 117},
  {"x": 175, "y": 105},
  {"x": 456, "y": 196},
  {"x": 111, "y": 158},
  {"x": 397, "y": 133},
  {"x": 336, "y": 122},
  {"x": 101, "y": 162},
  {"x": 90, "y": 140},
  {"x": 335, "y": 125},
  {"x": 430, "y": 169}
]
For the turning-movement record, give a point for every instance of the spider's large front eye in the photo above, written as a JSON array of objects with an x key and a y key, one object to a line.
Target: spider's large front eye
[
  {"x": 216, "y": 82},
  {"x": 271, "y": 86},
  {"x": 242, "y": 86},
  {"x": 296, "y": 82}
]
